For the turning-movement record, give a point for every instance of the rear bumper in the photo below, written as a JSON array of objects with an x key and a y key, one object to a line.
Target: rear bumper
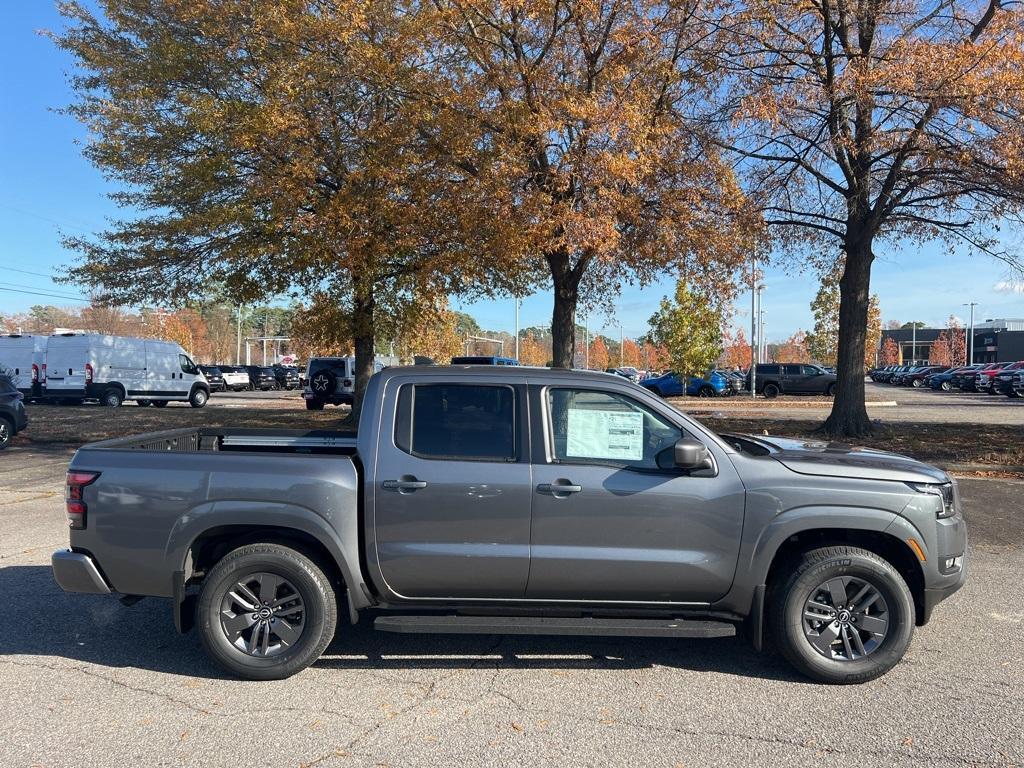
[{"x": 77, "y": 572}]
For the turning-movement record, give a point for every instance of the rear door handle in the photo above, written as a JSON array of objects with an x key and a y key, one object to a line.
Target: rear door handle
[
  {"x": 404, "y": 485},
  {"x": 559, "y": 487}
]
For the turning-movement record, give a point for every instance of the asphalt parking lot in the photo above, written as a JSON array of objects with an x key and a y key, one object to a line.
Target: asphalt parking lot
[{"x": 89, "y": 682}]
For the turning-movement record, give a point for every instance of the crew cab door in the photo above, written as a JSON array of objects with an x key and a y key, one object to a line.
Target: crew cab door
[
  {"x": 613, "y": 518},
  {"x": 452, "y": 490}
]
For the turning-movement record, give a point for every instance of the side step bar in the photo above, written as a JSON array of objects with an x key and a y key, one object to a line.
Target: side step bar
[{"x": 527, "y": 625}]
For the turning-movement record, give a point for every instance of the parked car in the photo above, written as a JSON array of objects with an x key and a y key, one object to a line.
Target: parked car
[
  {"x": 1018, "y": 383},
  {"x": 236, "y": 377},
  {"x": 670, "y": 384},
  {"x": 1002, "y": 382},
  {"x": 287, "y": 376},
  {"x": 332, "y": 380},
  {"x": 774, "y": 379},
  {"x": 22, "y": 356},
  {"x": 983, "y": 377},
  {"x": 113, "y": 369},
  {"x": 503, "y": 500},
  {"x": 13, "y": 417},
  {"x": 484, "y": 360},
  {"x": 944, "y": 380},
  {"x": 917, "y": 379},
  {"x": 261, "y": 377},
  {"x": 964, "y": 381},
  {"x": 214, "y": 377}
]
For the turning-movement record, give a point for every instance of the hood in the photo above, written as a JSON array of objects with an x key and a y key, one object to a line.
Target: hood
[{"x": 817, "y": 457}]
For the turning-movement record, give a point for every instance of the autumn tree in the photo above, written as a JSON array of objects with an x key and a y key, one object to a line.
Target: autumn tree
[
  {"x": 581, "y": 110},
  {"x": 856, "y": 123},
  {"x": 430, "y": 332},
  {"x": 532, "y": 351},
  {"x": 271, "y": 147},
  {"x": 689, "y": 326},
  {"x": 939, "y": 352},
  {"x": 793, "y": 349},
  {"x": 890, "y": 354},
  {"x": 823, "y": 339},
  {"x": 599, "y": 354},
  {"x": 735, "y": 350},
  {"x": 631, "y": 354},
  {"x": 950, "y": 346}
]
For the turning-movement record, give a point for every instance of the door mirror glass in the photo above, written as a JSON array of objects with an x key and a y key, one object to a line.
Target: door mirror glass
[{"x": 691, "y": 454}]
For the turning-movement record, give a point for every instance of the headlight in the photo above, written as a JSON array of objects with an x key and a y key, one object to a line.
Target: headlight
[{"x": 944, "y": 491}]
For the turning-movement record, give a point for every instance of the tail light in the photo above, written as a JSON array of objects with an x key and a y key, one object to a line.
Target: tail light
[
  {"x": 35, "y": 373},
  {"x": 347, "y": 383},
  {"x": 73, "y": 497},
  {"x": 88, "y": 373},
  {"x": 44, "y": 371}
]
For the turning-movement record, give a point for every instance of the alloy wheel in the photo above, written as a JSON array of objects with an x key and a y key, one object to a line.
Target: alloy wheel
[
  {"x": 845, "y": 618},
  {"x": 5, "y": 433},
  {"x": 263, "y": 615}
]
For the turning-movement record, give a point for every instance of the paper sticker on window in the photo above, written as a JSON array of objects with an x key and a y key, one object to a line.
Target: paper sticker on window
[{"x": 605, "y": 435}]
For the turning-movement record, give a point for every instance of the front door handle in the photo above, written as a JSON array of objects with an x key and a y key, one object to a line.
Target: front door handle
[
  {"x": 559, "y": 487},
  {"x": 405, "y": 485}
]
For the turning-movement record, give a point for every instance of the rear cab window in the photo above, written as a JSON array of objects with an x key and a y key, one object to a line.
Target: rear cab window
[{"x": 469, "y": 422}]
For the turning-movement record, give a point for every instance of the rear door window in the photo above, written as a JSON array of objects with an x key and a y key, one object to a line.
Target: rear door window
[{"x": 457, "y": 421}]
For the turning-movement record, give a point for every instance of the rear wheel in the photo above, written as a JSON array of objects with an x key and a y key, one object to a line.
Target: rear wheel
[
  {"x": 945, "y": 386},
  {"x": 143, "y": 403},
  {"x": 771, "y": 391},
  {"x": 159, "y": 403},
  {"x": 841, "y": 615},
  {"x": 314, "y": 405},
  {"x": 830, "y": 390},
  {"x": 706, "y": 391},
  {"x": 112, "y": 398},
  {"x": 6, "y": 432},
  {"x": 266, "y": 611}
]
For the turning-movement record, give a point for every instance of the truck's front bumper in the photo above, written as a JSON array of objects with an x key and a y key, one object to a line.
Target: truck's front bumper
[{"x": 77, "y": 572}]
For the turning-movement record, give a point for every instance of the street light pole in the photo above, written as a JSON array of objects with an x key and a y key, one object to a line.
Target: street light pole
[
  {"x": 753, "y": 324},
  {"x": 622, "y": 358},
  {"x": 517, "y": 327},
  {"x": 969, "y": 346}
]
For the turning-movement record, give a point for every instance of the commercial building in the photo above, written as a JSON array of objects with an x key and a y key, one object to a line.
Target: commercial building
[{"x": 995, "y": 341}]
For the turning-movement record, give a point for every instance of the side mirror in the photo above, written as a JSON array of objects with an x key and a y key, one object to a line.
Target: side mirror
[{"x": 691, "y": 454}]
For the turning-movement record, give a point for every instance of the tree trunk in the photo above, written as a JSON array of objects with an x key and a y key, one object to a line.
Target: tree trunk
[
  {"x": 363, "y": 305},
  {"x": 566, "y": 282},
  {"x": 849, "y": 417}
]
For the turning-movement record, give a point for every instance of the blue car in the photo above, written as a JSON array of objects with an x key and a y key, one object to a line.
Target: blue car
[{"x": 714, "y": 384}]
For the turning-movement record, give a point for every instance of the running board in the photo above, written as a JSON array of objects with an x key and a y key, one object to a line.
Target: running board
[{"x": 526, "y": 625}]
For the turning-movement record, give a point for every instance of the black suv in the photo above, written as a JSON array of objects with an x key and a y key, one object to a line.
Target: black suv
[
  {"x": 287, "y": 377},
  {"x": 13, "y": 418},
  {"x": 774, "y": 379},
  {"x": 214, "y": 377},
  {"x": 260, "y": 377}
]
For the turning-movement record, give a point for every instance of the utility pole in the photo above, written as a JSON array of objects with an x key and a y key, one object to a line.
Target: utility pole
[
  {"x": 517, "y": 327},
  {"x": 913, "y": 343},
  {"x": 238, "y": 342},
  {"x": 621, "y": 348},
  {"x": 753, "y": 324},
  {"x": 969, "y": 346},
  {"x": 586, "y": 342}
]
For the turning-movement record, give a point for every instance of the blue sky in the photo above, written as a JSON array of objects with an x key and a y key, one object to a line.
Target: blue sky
[{"x": 46, "y": 186}]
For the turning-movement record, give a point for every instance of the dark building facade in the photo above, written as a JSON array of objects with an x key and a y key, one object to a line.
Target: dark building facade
[{"x": 995, "y": 341}]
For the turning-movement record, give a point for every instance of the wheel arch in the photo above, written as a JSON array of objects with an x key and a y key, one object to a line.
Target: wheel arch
[{"x": 885, "y": 545}]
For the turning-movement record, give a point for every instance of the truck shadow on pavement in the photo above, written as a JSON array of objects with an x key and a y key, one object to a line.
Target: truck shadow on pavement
[{"x": 100, "y": 630}]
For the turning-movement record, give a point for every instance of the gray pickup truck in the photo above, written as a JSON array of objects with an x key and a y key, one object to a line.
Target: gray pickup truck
[{"x": 517, "y": 501}]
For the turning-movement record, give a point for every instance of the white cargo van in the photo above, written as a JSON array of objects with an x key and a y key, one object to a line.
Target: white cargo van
[
  {"x": 113, "y": 369},
  {"x": 22, "y": 355}
]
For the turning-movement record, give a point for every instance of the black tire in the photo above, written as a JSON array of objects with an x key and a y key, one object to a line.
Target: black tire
[
  {"x": 6, "y": 432},
  {"x": 199, "y": 398},
  {"x": 790, "y": 632},
  {"x": 830, "y": 390},
  {"x": 143, "y": 403},
  {"x": 314, "y": 405},
  {"x": 706, "y": 391},
  {"x": 112, "y": 398},
  {"x": 771, "y": 391},
  {"x": 160, "y": 403},
  {"x": 315, "y": 597}
]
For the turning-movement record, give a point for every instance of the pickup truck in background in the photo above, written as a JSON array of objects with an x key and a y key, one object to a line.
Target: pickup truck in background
[{"x": 503, "y": 500}]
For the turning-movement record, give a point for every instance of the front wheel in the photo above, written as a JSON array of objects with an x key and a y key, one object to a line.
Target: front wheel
[
  {"x": 6, "y": 432},
  {"x": 945, "y": 386},
  {"x": 266, "y": 612},
  {"x": 841, "y": 615},
  {"x": 198, "y": 398},
  {"x": 917, "y": 383},
  {"x": 706, "y": 391},
  {"x": 771, "y": 391}
]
